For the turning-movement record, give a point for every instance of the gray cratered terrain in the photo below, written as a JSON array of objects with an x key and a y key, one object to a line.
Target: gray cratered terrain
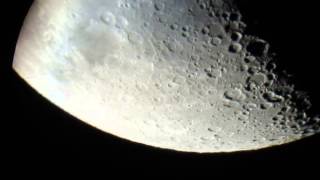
[{"x": 175, "y": 74}]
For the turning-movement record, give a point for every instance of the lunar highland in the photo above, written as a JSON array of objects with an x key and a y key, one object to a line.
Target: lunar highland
[{"x": 174, "y": 74}]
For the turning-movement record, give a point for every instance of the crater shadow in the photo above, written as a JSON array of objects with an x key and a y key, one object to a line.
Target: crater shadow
[{"x": 290, "y": 28}]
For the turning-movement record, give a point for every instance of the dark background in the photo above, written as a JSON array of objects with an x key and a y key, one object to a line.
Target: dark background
[{"x": 35, "y": 130}]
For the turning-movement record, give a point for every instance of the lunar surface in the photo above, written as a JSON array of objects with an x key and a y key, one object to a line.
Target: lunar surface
[{"x": 173, "y": 74}]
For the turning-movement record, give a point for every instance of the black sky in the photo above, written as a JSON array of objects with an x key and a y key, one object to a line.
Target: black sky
[{"x": 35, "y": 129}]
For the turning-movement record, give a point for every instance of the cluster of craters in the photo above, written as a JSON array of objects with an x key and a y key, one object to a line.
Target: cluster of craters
[
  {"x": 228, "y": 78},
  {"x": 182, "y": 74}
]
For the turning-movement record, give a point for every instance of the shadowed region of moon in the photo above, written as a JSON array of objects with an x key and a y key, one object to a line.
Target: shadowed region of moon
[{"x": 177, "y": 74}]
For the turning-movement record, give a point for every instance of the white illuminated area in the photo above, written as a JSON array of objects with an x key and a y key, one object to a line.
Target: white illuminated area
[{"x": 165, "y": 73}]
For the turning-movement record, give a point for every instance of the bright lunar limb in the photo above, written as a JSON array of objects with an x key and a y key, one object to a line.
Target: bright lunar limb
[{"x": 175, "y": 74}]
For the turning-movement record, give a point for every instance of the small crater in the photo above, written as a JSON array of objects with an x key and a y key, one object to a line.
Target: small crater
[
  {"x": 108, "y": 18},
  {"x": 258, "y": 48},
  {"x": 234, "y": 95},
  {"x": 159, "y": 6},
  {"x": 272, "y": 97},
  {"x": 235, "y": 17},
  {"x": 216, "y": 41},
  {"x": 236, "y": 36},
  {"x": 235, "y": 47}
]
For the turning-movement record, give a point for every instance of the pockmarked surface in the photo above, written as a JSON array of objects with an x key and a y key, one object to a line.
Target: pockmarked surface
[{"x": 175, "y": 74}]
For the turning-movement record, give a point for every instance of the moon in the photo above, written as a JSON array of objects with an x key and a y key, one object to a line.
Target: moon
[{"x": 174, "y": 74}]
